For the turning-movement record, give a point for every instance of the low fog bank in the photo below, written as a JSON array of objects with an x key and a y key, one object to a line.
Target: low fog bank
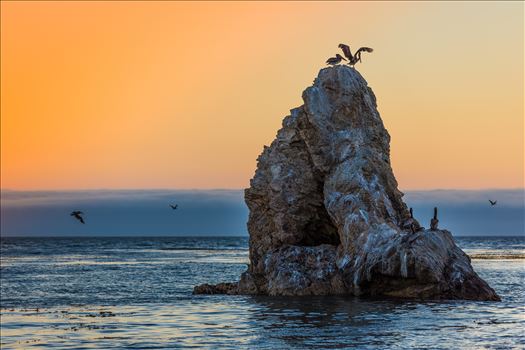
[
  {"x": 223, "y": 212},
  {"x": 124, "y": 213}
]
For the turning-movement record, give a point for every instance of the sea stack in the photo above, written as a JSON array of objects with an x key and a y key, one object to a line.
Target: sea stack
[{"x": 326, "y": 216}]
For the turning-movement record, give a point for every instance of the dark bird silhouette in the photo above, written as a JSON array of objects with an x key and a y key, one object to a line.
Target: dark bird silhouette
[
  {"x": 434, "y": 221},
  {"x": 357, "y": 55},
  {"x": 335, "y": 60},
  {"x": 411, "y": 224},
  {"x": 78, "y": 215},
  {"x": 346, "y": 51},
  {"x": 174, "y": 206},
  {"x": 353, "y": 59},
  {"x": 493, "y": 203}
]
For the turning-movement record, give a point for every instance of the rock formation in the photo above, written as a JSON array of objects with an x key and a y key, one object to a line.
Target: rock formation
[{"x": 326, "y": 217}]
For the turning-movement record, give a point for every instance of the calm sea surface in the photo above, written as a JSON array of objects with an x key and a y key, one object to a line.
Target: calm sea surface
[{"x": 80, "y": 293}]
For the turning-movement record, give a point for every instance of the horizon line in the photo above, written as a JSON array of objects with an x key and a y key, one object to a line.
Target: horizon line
[{"x": 3, "y": 235}]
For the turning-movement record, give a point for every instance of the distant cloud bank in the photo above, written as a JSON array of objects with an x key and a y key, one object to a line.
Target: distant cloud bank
[
  {"x": 223, "y": 212},
  {"x": 124, "y": 212}
]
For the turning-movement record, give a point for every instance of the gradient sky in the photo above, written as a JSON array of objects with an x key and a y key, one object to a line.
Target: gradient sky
[{"x": 185, "y": 95}]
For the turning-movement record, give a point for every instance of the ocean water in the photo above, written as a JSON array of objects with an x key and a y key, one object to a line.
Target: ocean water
[{"x": 135, "y": 293}]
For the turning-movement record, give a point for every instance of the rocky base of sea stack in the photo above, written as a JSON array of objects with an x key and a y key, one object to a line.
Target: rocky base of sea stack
[{"x": 421, "y": 265}]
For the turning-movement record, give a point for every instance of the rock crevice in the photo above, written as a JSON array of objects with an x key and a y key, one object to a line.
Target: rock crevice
[{"x": 326, "y": 216}]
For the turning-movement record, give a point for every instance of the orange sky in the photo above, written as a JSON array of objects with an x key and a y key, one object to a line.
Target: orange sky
[{"x": 185, "y": 95}]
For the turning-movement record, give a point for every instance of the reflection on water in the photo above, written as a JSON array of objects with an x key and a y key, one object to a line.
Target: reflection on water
[{"x": 137, "y": 294}]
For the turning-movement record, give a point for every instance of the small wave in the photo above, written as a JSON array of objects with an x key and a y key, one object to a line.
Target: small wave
[
  {"x": 497, "y": 256},
  {"x": 203, "y": 248}
]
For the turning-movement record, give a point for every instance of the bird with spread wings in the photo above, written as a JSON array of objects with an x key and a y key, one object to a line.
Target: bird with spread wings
[
  {"x": 77, "y": 214},
  {"x": 353, "y": 59}
]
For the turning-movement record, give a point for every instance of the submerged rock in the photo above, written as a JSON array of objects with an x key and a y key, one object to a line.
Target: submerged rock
[
  {"x": 327, "y": 218},
  {"x": 221, "y": 288}
]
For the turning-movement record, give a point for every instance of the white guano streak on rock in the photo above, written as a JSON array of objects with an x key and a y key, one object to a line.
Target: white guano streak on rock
[{"x": 403, "y": 257}]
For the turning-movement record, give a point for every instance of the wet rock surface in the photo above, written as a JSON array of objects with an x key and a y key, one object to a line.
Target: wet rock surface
[
  {"x": 221, "y": 288},
  {"x": 326, "y": 216}
]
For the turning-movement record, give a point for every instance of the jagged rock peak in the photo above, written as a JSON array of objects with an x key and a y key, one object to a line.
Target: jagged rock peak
[{"x": 326, "y": 216}]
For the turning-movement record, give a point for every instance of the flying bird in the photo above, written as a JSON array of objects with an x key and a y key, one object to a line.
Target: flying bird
[
  {"x": 174, "y": 206},
  {"x": 493, "y": 203},
  {"x": 78, "y": 215},
  {"x": 335, "y": 60}
]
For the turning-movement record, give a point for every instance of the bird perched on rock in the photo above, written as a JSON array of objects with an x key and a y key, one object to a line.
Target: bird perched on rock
[
  {"x": 78, "y": 215},
  {"x": 411, "y": 224},
  {"x": 493, "y": 203},
  {"x": 335, "y": 60},
  {"x": 346, "y": 51},
  {"x": 174, "y": 206},
  {"x": 434, "y": 221},
  {"x": 353, "y": 59},
  {"x": 357, "y": 56}
]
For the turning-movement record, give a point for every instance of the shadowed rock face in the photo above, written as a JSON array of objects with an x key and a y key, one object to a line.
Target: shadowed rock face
[{"x": 326, "y": 216}]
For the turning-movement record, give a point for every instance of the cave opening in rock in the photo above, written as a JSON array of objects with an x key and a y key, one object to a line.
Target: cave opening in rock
[{"x": 320, "y": 230}]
